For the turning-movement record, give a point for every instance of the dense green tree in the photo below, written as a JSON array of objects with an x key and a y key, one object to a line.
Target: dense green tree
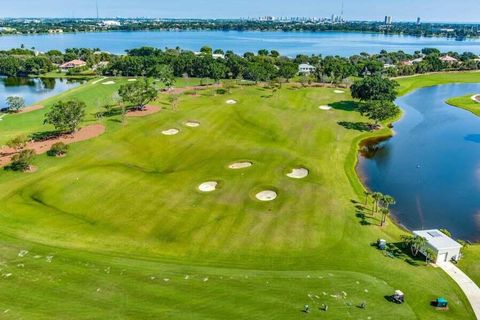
[
  {"x": 15, "y": 103},
  {"x": 138, "y": 93},
  {"x": 374, "y": 88},
  {"x": 66, "y": 116},
  {"x": 379, "y": 110},
  {"x": 165, "y": 74}
]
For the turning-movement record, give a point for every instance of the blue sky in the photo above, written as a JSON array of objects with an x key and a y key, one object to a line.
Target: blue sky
[{"x": 429, "y": 10}]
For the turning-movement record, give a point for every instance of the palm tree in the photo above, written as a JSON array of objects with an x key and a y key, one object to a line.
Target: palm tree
[
  {"x": 388, "y": 200},
  {"x": 367, "y": 195},
  {"x": 430, "y": 255},
  {"x": 416, "y": 243},
  {"x": 377, "y": 196},
  {"x": 385, "y": 212}
]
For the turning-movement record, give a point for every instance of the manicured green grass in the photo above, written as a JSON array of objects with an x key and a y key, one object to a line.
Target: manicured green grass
[
  {"x": 466, "y": 102},
  {"x": 122, "y": 213}
]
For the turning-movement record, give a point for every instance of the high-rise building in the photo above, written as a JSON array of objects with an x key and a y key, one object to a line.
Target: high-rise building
[
  {"x": 388, "y": 19},
  {"x": 419, "y": 21}
]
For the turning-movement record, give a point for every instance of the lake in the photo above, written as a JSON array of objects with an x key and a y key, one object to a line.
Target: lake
[
  {"x": 288, "y": 43},
  {"x": 432, "y": 164},
  {"x": 33, "y": 90}
]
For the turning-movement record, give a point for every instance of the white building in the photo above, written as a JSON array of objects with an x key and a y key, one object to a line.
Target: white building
[
  {"x": 305, "y": 68},
  {"x": 111, "y": 23},
  {"x": 445, "y": 247}
]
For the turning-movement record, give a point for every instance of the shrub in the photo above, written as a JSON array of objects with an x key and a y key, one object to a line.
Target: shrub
[
  {"x": 58, "y": 149},
  {"x": 22, "y": 161},
  {"x": 18, "y": 142}
]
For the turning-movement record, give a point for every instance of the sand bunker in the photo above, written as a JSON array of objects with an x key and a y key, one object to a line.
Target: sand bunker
[
  {"x": 109, "y": 83},
  {"x": 170, "y": 132},
  {"x": 208, "y": 186},
  {"x": 132, "y": 80},
  {"x": 240, "y": 165},
  {"x": 266, "y": 195},
  {"x": 192, "y": 124},
  {"x": 147, "y": 110},
  {"x": 325, "y": 108},
  {"x": 231, "y": 101},
  {"x": 476, "y": 98},
  {"x": 339, "y": 91},
  {"x": 298, "y": 173}
]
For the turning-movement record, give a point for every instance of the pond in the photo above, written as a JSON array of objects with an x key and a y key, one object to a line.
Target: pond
[
  {"x": 432, "y": 164},
  {"x": 33, "y": 89}
]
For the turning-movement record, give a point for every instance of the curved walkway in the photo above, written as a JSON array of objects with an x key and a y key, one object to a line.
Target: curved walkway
[{"x": 471, "y": 290}]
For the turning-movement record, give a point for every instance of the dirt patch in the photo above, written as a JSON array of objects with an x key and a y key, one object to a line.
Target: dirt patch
[
  {"x": 192, "y": 88},
  {"x": 148, "y": 110},
  {"x": 30, "y": 109},
  {"x": 40, "y": 147}
]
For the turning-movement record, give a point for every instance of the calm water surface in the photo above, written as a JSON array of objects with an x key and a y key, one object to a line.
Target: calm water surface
[
  {"x": 432, "y": 164},
  {"x": 288, "y": 43},
  {"x": 33, "y": 90}
]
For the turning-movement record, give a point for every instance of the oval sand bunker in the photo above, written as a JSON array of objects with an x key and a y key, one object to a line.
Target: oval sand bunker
[
  {"x": 339, "y": 91},
  {"x": 266, "y": 195},
  {"x": 325, "y": 108},
  {"x": 192, "y": 124},
  {"x": 298, "y": 173},
  {"x": 231, "y": 101},
  {"x": 240, "y": 165},
  {"x": 170, "y": 132},
  {"x": 208, "y": 186}
]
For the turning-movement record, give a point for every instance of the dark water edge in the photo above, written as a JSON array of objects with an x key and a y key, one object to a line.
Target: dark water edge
[
  {"x": 431, "y": 165},
  {"x": 34, "y": 89}
]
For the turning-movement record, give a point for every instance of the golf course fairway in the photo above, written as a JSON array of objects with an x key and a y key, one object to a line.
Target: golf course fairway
[{"x": 119, "y": 229}]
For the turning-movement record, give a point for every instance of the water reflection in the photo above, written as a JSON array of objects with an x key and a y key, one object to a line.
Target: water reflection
[{"x": 431, "y": 165}]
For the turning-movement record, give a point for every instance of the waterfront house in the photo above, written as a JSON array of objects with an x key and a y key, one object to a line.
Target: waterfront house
[
  {"x": 305, "y": 68},
  {"x": 448, "y": 59},
  {"x": 73, "y": 64}
]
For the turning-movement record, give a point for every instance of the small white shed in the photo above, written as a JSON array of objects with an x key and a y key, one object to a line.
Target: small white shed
[{"x": 445, "y": 247}]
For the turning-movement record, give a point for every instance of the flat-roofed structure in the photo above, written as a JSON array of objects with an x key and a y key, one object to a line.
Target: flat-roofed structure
[{"x": 445, "y": 247}]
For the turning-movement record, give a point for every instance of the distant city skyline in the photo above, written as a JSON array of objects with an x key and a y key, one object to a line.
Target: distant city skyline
[{"x": 400, "y": 10}]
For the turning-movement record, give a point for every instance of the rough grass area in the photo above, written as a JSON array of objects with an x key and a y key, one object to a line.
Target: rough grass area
[{"x": 128, "y": 235}]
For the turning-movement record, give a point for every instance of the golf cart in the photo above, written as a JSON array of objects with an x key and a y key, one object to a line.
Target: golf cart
[{"x": 398, "y": 297}]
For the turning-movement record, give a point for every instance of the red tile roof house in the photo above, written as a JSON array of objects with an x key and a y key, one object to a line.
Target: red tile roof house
[
  {"x": 73, "y": 64},
  {"x": 448, "y": 59}
]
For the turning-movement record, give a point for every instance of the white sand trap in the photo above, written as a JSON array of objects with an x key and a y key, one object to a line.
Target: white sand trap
[
  {"x": 325, "y": 108},
  {"x": 267, "y": 195},
  {"x": 476, "y": 98},
  {"x": 339, "y": 91},
  {"x": 192, "y": 124},
  {"x": 170, "y": 132},
  {"x": 132, "y": 80},
  {"x": 231, "y": 101},
  {"x": 240, "y": 165},
  {"x": 109, "y": 83},
  {"x": 208, "y": 186},
  {"x": 298, "y": 173}
]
